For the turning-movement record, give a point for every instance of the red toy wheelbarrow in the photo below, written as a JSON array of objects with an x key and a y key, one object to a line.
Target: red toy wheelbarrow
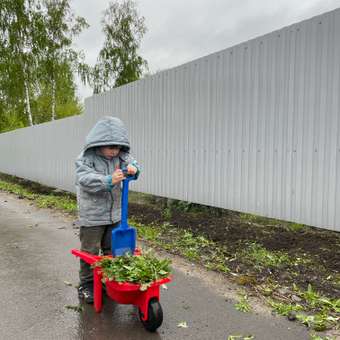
[{"x": 147, "y": 301}]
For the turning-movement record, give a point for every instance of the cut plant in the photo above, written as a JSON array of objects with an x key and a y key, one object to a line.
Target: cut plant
[{"x": 143, "y": 269}]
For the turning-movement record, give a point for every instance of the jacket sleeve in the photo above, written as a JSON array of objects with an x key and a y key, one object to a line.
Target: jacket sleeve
[
  {"x": 127, "y": 159},
  {"x": 91, "y": 180}
]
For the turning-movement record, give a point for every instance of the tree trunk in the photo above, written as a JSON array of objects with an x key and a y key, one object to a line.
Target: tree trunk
[
  {"x": 53, "y": 99},
  {"x": 28, "y": 104}
]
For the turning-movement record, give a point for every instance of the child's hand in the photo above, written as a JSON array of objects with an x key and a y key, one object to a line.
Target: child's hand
[
  {"x": 117, "y": 176},
  {"x": 131, "y": 170}
]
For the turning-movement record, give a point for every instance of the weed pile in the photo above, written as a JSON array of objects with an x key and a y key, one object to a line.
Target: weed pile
[{"x": 143, "y": 269}]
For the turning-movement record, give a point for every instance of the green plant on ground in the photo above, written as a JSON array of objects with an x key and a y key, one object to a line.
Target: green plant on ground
[
  {"x": 51, "y": 201},
  {"x": 315, "y": 301},
  {"x": 295, "y": 227},
  {"x": 17, "y": 189},
  {"x": 189, "y": 245},
  {"x": 188, "y": 240},
  {"x": 302, "y": 259},
  {"x": 319, "y": 322},
  {"x": 167, "y": 213},
  {"x": 243, "y": 305},
  {"x": 284, "y": 308},
  {"x": 66, "y": 203},
  {"x": 240, "y": 337},
  {"x": 194, "y": 248},
  {"x": 314, "y": 336},
  {"x": 148, "y": 232},
  {"x": 314, "y": 311},
  {"x": 75, "y": 308},
  {"x": 244, "y": 217},
  {"x": 182, "y": 205},
  {"x": 261, "y": 257},
  {"x": 221, "y": 267},
  {"x": 267, "y": 288}
]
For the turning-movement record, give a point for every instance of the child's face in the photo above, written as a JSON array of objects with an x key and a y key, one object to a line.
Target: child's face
[{"x": 110, "y": 151}]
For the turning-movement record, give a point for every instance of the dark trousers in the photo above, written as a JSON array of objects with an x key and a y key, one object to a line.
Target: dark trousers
[{"x": 92, "y": 240}]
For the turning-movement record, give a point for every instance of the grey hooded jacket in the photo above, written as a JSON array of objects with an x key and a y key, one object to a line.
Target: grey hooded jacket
[{"x": 99, "y": 200}]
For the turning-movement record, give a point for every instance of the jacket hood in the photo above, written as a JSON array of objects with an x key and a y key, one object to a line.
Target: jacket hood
[{"x": 108, "y": 131}]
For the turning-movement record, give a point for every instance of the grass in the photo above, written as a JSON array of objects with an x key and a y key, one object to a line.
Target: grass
[
  {"x": 184, "y": 243},
  {"x": 314, "y": 336},
  {"x": 314, "y": 310},
  {"x": 243, "y": 304},
  {"x": 66, "y": 203},
  {"x": 284, "y": 309},
  {"x": 290, "y": 226},
  {"x": 261, "y": 257},
  {"x": 295, "y": 227}
]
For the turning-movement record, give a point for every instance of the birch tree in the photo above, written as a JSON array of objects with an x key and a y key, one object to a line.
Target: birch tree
[
  {"x": 119, "y": 62},
  {"x": 61, "y": 26},
  {"x": 20, "y": 21}
]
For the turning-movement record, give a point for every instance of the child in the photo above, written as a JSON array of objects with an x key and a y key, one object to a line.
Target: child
[{"x": 98, "y": 184}]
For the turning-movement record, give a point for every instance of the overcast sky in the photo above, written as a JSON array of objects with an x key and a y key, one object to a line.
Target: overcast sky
[{"x": 183, "y": 30}]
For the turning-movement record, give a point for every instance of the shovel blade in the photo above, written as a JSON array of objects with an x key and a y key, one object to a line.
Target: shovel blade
[{"x": 123, "y": 241}]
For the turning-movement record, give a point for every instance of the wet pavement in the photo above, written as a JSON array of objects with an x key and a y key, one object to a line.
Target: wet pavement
[{"x": 36, "y": 262}]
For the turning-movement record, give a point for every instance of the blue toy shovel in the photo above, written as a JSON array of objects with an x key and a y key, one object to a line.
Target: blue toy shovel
[{"x": 124, "y": 237}]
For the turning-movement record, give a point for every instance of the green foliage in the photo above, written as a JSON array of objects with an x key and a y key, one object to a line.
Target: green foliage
[
  {"x": 316, "y": 301},
  {"x": 37, "y": 62},
  {"x": 261, "y": 257},
  {"x": 319, "y": 322},
  {"x": 240, "y": 337},
  {"x": 285, "y": 308},
  {"x": 183, "y": 242},
  {"x": 243, "y": 305},
  {"x": 59, "y": 57},
  {"x": 17, "y": 189},
  {"x": 314, "y": 336},
  {"x": 143, "y": 269},
  {"x": 118, "y": 61},
  {"x": 78, "y": 308},
  {"x": 248, "y": 217},
  {"x": 295, "y": 227},
  {"x": 188, "y": 206},
  {"x": 11, "y": 119},
  {"x": 315, "y": 311},
  {"x": 149, "y": 233},
  {"x": 66, "y": 203},
  {"x": 19, "y": 27},
  {"x": 167, "y": 213},
  {"x": 190, "y": 245},
  {"x": 66, "y": 101},
  {"x": 51, "y": 201}
]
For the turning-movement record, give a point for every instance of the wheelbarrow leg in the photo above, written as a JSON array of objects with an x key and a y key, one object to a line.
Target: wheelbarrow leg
[
  {"x": 97, "y": 290},
  {"x": 143, "y": 303},
  {"x": 150, "y": 310}
]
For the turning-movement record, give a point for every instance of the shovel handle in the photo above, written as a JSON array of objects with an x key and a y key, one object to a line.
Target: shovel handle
[
  {"x": 128, "y": 176},
  {"x": 125, "y": 197}
]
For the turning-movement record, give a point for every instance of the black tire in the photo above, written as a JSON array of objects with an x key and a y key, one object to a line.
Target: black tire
[{"x": 155, "y": 317}]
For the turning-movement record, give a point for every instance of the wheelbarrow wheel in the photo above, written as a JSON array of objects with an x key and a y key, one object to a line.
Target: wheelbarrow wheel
[{"x": 155, "y": 316}]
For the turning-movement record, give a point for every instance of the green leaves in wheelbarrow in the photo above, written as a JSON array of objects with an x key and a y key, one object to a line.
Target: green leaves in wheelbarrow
[{"x": 142, "y": 269}]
